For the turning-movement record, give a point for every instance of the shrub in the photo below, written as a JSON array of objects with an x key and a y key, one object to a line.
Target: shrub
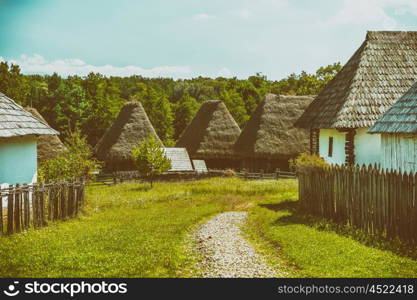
[
  {"x": 75, "y": 162},
  {"x": 150, "y": 159},
  {"x": 307, "y": 161}
]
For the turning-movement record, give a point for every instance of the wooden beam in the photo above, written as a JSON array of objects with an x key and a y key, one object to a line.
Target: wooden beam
[{"x": 350, "y": 147}]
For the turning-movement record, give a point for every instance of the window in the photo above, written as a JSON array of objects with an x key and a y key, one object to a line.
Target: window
[{"x": 330, "y": 146}]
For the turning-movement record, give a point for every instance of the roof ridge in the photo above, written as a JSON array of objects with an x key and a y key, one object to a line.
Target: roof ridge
[{"x": 376, "y": 34}]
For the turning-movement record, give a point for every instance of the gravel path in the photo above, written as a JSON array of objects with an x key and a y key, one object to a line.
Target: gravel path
[{"x": 225, "y": 252}]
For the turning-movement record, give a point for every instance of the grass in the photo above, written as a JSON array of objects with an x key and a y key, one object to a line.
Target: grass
[
  {"x": 316, "y": 248},
  {"x": 130, "y": 230}
]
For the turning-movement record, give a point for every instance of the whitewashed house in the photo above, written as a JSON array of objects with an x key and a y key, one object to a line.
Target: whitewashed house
[
  {"x": 18, "y": 135},
  {"x": 398, "y": 129},
  {"x": 379, "y": 73}
]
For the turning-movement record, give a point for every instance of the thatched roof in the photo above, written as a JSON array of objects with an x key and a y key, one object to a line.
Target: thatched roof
[
  {"x": 401, "y": 117},
  {"x": 180, "y": 161},
  {"x": 270, "y": 133},
  {"x": 48, "y": 146},
  {"x": 212, "y": 133},
  {"x": 130, "y": 127},
  {"x": 381, "y": 70},
  {"x": 16, "y": 121}
]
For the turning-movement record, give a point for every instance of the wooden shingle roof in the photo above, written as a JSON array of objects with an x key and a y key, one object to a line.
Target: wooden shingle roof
[
  {"x": 401, "y": 117},
  {"x": 381, "y": 70},
  {"x": 180, "y": 161},
  {"x": 16, "y": 121}
]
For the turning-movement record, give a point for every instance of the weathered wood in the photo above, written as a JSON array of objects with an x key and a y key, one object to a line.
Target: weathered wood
[
  {"x": 26, "y": 218},
  {"x": 380, "y": 202},
  {"x": 1, "y": 213},
  {"x": 53, "y": 201},
  {"x": 42, "y": 215},
  {"x": 10, "y": 206},
  {"x": 17, "y": 209}
]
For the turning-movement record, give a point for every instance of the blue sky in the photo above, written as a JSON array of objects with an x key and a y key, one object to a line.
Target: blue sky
[{"x": 185, "y": 38}]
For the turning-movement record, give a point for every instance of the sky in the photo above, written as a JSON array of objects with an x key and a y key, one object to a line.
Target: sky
[{"x": 190, "y": 38}]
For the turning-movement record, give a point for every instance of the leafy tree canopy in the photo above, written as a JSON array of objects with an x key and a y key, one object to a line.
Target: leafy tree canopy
[{"x": 91, "y": 103}]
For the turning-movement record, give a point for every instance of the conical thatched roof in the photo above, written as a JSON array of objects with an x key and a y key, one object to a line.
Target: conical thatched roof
[
  {"x": 48, "y": 146},
  {"x": 270, "y": 133},
  {"x": 130, "y": 127},
  {"x": 212, "y": 133},
  {"x": 378, "y": 74}
]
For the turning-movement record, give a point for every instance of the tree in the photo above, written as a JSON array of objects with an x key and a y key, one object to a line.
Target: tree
[
  {"x": 236, "y": 106},
  {"x": 150, "y": 159},
  {"x": 184, "y": 113},
  {"x": 158, "y": 109},
  {"x": 75, "y": 162}
]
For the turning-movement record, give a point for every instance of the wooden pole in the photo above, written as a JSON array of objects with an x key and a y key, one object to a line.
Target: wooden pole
[{"x": 10, "y": 205}]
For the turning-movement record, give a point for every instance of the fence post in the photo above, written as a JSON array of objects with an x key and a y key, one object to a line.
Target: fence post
[
  {"x": 42, "y": 205},
  {"x": 17, "y": 208},
  {"x": 1, "y": 211},
  {"x": 71, "y": 199},
  {"x": 10, "y": 204},
  {"x": 35, "y": 206},
  {"x": 26, "y": 206}
]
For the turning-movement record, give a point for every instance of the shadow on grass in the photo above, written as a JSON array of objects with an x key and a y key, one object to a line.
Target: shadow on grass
[
  {"x": 289, "y": 205},
  {"x": 301, "y": 218},
  {"x": 141, "y": 188}
]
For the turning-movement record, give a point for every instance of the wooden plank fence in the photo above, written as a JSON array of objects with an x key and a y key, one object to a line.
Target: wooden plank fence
[
  {"x": 377, "y": 201},
  {"x": 35, "y": 204}
]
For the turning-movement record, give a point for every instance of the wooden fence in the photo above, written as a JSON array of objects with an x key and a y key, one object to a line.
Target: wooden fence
[
  {"x": 24, "y": 206},
  {"x": 377, "y": 201},
  {"x": 276, "y": 175},
  {"x": 126, "y": 176}
]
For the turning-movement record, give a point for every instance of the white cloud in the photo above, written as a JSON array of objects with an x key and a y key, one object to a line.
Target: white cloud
[
  {"x": 363, "y": 12},
  {"x": 224, "y": 72},
  {"x": 203, "y": 17},
  {"x": 244, "y": 13},
  {"x": 37, "y": 64},
  {"x": 373, "y": 12}
]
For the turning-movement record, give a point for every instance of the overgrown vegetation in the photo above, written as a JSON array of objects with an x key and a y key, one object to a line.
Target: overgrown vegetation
[
  {"x": 93, "y": 102},
  {"x": 307, "y": 161},
  {"x": 74, "y": 163},
  {"x": 150, "y": 158},
  {"x": 134, "y": 231}
]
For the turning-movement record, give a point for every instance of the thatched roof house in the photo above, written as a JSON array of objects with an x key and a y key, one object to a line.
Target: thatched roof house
[
  {"x": 270, "y": 139},
  {"x": 380, "y": 71},
  {"x": 398, "y": 129},
  {"x": 131, "y": 126},
  {"x": 49, "y": 146},
  {"x": 18, "y": 137},
  {"x": 211, "y": 135}
]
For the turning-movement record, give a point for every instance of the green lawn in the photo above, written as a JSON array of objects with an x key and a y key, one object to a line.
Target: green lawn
[{"x": 130, "y": 230}]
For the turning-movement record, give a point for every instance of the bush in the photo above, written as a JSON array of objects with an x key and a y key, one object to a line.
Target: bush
[
  {"x": 307, "y": 161},
  {"x": 150, "y": 158},
  {"x": 75, "y": 162}
]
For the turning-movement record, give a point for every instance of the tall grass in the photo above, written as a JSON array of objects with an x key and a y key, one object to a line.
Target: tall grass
[{"x": 130, "y": 230}]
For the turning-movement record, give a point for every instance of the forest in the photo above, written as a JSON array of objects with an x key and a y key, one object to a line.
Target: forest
[{"x": 91, "y": 103}]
